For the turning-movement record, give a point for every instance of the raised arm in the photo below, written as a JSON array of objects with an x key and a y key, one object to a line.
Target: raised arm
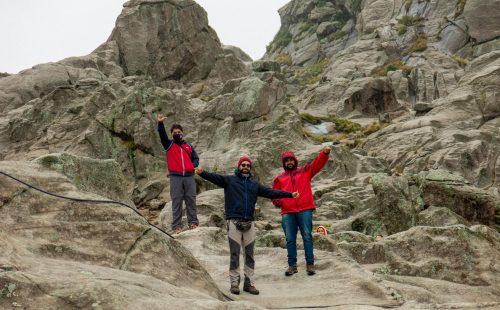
[
  {"x": 320, "y": 161},
  {"x": 163, "y": 133}
]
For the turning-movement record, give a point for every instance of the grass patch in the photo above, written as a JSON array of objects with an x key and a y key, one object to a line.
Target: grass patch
[
  {"x": 321, "y": 3},
  {"x": 459, "y": 9},
  {"x": 461, "y": 62},
  {"x": 401, "y": 29},
  {"x": 356, "y": 5},
  {"x": 346, "y": 129},
  {"x": 419, "y": 45},
  {"x": 305, "y": 27},
  {"x": 283, "y": 59},
  {"x": 281, "y": 39},
  {"x": 391, "y": 66},
  {"x": 341, "y": 124},
  {"x": 337, "y": 35},
  {"x": 343, "y": 16},
  {"x": 311, "y": 119},
  {"x": 374, "y": 127},
  {"x": 312, "y": 73},
  {"x": 410, "y": 20},
  {"x": 345, "y": 125},
  {"x": 408, "y": 4}
]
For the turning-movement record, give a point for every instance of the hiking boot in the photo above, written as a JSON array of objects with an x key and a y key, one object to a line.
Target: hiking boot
[
  {"x": 251, "y": 289},
  {"x": 178, "y": 230},
  {"x": 291, "y": 270},
  {"x": 193, "y": 226},
  {"x": 235, "y": 289},
  {"x": 310, "y": 270}
]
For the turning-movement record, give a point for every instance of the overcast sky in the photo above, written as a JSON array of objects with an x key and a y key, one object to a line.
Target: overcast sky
[{"x": 36, "y": 31}]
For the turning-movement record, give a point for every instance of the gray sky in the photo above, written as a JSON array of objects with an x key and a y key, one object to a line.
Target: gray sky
[{"x": 35, "y": 31}]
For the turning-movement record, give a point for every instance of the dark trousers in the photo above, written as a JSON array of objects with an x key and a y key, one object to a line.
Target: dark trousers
[{"x": 183, "y": 189}]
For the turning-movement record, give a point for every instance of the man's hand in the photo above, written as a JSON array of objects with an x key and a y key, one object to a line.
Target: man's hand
[
  {"x": 198, "y": 170},
  {"x": 327, "y": 149},
  {"x": 295, "y": 195},
  {"x": 161, "y": 118}
]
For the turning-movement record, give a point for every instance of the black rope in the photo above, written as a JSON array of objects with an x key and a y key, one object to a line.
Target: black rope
[{"x": 86, "y": 200}]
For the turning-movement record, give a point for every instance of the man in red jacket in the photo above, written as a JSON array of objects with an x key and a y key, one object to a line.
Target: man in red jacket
[
  {"x": 297, "y": 213},
  {"x": 182, "y": 160}
]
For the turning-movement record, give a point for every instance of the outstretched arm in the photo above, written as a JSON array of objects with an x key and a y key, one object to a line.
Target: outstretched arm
[
  {"x": 273, "y": 194},
  {"x": 217, "y": 179},
  {"x": 277, "y": 186}
]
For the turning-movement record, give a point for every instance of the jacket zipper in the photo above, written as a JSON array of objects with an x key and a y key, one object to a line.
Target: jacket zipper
[
  {"x": 292, "y": 177},
  {"x": 246, "y": 198},
  {"x": 182, "y": 159}
]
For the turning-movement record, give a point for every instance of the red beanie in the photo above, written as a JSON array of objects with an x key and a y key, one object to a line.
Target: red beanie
[{"x": 244, "y": 158}]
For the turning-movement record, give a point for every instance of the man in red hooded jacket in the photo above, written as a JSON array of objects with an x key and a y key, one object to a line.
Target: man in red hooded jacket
[{"x": 297, "y": 213}]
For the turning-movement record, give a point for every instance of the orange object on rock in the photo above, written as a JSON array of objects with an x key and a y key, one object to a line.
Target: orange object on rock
[{"x": 322, "y": 230}]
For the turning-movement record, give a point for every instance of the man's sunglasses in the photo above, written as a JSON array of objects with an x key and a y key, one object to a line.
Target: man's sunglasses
[{"x": 246, "y": 166}]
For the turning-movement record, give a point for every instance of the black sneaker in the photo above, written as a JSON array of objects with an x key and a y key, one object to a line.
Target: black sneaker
[{"x": 291, "y": 270}]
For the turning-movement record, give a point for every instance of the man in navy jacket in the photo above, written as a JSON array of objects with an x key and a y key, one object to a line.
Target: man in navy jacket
[
  {"x": 240, "y": 196},
  {"x": 182, "y": 159}
]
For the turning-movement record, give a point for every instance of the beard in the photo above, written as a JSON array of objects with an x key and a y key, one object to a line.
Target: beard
[{"x": 290, "y": 166}]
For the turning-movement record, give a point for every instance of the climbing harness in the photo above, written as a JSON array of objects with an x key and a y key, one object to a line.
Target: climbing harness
[{"x": 86, "y": 200}]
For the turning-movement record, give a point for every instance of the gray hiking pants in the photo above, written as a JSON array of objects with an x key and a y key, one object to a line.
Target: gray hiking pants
[
  {"x": 237, "y": 239},
  {"x": 183, "y": 189}
]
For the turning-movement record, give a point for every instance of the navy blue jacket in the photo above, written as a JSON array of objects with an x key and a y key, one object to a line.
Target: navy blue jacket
[{"x": 240, "y": 193}]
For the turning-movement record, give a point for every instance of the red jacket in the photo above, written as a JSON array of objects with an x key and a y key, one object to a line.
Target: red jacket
[
  {"x": 298, "y": 179},
  {"x": 179, "y": 159}
]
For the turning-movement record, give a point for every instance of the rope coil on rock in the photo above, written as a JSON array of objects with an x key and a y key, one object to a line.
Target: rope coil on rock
[{"x": 85, "y": 200}]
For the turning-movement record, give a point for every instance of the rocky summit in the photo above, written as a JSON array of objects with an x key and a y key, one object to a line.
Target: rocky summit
[{"x": 406, "y": 91}]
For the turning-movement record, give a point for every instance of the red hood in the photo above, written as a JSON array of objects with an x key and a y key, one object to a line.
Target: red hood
[{"x": 289, "y": 154}]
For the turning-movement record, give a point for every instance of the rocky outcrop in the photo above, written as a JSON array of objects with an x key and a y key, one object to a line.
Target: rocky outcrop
[
  {"x": 410, "y": 196},
  {"x": 66, "y": 253},
  {"x": 168, "y": 40}
]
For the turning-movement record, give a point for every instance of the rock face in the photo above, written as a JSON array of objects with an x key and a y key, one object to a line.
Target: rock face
[
  {"x": 65, "y": 252},
  {"x": 167, "y": 40},
  {"x": 407, "y": 91}
]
